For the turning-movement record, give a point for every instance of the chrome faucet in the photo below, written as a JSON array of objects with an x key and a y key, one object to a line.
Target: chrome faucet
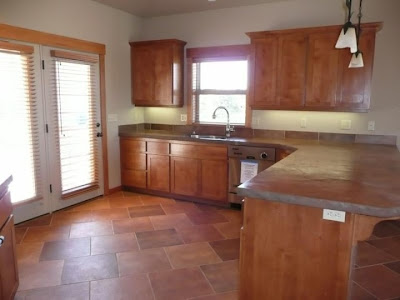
[{"x": 228, "y": 128}]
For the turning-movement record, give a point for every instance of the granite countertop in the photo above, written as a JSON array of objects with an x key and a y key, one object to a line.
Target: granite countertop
[{"x": 357, "y": 178}]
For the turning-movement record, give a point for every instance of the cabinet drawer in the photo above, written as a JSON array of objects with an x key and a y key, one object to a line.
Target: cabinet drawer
[
  {"x": 132, "y": 145},
  {"x": 133, "y": 161},
  {"x": 133, "y": 178},
  {"x": 199, "y": 151},
  {"x": 5, "y": 208},
  {"x": 158, "y": 148}
]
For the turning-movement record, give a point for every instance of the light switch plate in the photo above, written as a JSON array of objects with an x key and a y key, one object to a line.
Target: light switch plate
[
  {"x": 112, "y": 118},
  {"x": 371, "y": 125},
  {"x": 303, "y": 123},
  {"x": 334, "y": 215},
  {"x": 183, "y": 117}
]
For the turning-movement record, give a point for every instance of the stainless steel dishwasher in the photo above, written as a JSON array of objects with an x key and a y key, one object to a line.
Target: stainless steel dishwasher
[{"x": 263, "y": 156}]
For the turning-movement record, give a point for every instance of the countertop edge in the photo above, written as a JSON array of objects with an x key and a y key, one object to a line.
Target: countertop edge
[{"x": 321, "y": 203}]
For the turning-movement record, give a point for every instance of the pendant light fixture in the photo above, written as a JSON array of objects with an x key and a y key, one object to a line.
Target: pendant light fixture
[
  {"x": 357, "y": 58},
  {"x": 348, "y": 35}
]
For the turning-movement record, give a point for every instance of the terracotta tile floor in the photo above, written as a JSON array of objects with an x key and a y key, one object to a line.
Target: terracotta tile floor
[{"x": 131, "y": 246}]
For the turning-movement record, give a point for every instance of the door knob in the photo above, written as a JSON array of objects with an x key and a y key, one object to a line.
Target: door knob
[{"x": 2, "y": 239}]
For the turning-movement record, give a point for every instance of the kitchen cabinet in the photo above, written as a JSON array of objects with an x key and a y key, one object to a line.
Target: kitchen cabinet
[
  {"x": 323, "y": 70},
  {"x": 300, "y": 69},
  {"x": 133, "y": 162},
  {"x": 214, "y": 179},
  {"x": 8, "y": 260},
  {"x": 198, "y": 171},
  {"x": 354, "y": 86},
  {"x": 185, "y": 176},
  {"x": 157, "y": 72},
  {"x": 158, "y": 166}
]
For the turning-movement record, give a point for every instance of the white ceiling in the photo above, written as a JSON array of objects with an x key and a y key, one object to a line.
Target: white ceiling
[{"x": 153, "y": 8}]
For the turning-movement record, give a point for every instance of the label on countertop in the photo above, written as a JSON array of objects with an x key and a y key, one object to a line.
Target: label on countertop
[
  {"x": 248, "y": 169},
  {"x": 334, "y": 215}
]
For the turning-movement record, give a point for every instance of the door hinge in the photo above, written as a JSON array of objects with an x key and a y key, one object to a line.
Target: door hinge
[
  {"x": 43, "y": 64},
  {"x": 51, "y": 188},
  {"x": 47, "y": 128}
]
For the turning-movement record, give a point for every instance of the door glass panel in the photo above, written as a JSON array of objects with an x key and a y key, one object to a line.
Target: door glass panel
[
  {"x": 19, "y": 134},
  {"x": 76, "y": 114}
]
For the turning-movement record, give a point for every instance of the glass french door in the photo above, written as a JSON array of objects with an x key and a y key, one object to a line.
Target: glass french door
[
  {"x": 50, "y": 139},
  {"x": 74, "y": 137},
  {"x": 22, "y": 138}
]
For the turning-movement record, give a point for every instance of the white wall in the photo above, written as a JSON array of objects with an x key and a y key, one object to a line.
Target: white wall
[
  {"x": 84, "y": 19},
  {"x": 228, "y": 26}
]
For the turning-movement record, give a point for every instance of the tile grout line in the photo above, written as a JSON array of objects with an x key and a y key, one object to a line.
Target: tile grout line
[
  {"x": 364, "y": 289},
  {"x": 151, "y": 285}
]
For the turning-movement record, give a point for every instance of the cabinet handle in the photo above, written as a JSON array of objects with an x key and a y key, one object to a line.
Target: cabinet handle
[{"x": 2, "y": 239}]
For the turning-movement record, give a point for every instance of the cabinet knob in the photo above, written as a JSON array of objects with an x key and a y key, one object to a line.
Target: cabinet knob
[{"x": 2, "y": 239}]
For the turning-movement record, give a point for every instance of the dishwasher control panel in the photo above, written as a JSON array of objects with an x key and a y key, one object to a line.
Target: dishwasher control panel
[{"x": 247, "y": 152}]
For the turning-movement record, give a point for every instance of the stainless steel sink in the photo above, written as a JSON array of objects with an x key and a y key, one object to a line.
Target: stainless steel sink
[{"x": 209, "y": 137}]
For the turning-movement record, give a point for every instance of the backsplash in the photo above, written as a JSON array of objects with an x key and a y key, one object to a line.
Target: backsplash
[{"x": 267, "y": 133}]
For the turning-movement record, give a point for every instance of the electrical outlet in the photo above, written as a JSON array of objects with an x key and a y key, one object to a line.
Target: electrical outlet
[
  {"x": 345, "y": 124},
  {"x": 303, "y": 123},
  {"x": 183, "y": 117},
  {"x": 334, "y": 215},
  {"x": 371, "y": 125}
]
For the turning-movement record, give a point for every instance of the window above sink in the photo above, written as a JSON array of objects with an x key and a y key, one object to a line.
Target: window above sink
[{"x": 219, "y": 77}]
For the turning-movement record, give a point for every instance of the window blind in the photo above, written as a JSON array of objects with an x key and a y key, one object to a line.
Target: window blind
[
  {"x": 19, "y": 124},
  {"x": 74, "y": 93}
]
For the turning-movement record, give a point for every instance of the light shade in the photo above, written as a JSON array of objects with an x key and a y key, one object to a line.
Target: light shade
[
  {"x": 356, "y": 60},
  {"x": 347, "y": 40}
]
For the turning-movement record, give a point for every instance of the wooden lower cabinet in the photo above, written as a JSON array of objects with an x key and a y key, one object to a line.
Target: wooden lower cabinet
[
  {"x": 133, "y": 178},
  {"x": 197, "y": 170},
  {"x": 158, "y": 172},
  {"x": 214, "y": 179},
  {"x": 185, "y": 176},
  {"x": 8, "y": 262}
]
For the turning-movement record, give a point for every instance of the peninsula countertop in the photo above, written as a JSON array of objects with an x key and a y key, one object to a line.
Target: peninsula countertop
[{"x": 358, "y": 178}]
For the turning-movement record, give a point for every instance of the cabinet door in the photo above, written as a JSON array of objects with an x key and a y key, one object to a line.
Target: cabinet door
[
  {"x": 291, "y": 70},
  {"x": 158, "y": 172},
  {"x": 354, "y": 88},
  {"x": 323, "y": 70},
  {"x": 263, "y": 72},
  {"x": 142, "y": 60},
  {"x": 132, "y": 154},
  {"x": 8, "y": 262},
  {"x": 163, "y": 57},
  {"x": 185, "y": 176},
  {"x": 214, "y": 180}
]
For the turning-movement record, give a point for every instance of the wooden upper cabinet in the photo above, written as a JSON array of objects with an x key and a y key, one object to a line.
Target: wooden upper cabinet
[
  {"x": 300, "y": 69},
  {"x": 263, "y": 76},
  {"x": 354, "y": 86},
  {"x": 157, "y": 73},
  {"x": 323, "y": 70},
  {"x": 291, "y": 70},
  {"x": 143, "y": 75}
]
